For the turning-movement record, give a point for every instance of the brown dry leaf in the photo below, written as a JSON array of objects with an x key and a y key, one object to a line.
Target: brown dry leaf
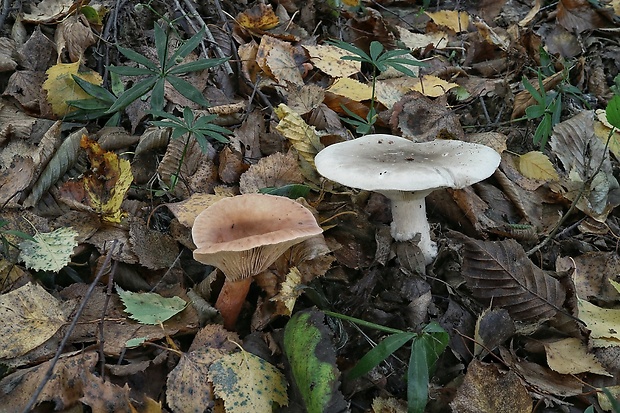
[
  {"x": 592, "y": 274},
  {"x": 74, "y": 36},
  {"x": 103, "y": 396},
  {"x": 63, "y": 389},
  {"x": 493, "y": 327},
  {"x": 577, "y": 16},
  {"x": 30, "y": 315},
  {"x": 259, "y": 17},
  {"x": 453, "y": 19},
  {"x": 155, "y": 250},
  {"x": 328, "y": 59},
  {"x": 188, "y": 388},
  {"x": 249, "y": 65},
  {"x": 186, "y": 211},
  {"x": 8, "y": 52},
  {"x": 388, "y": 405},
  {"x": 15, "y": 179},
  {"x": 536, "y": 165},
  {"x": 276, "y": 58},
  {"x": 61, "y": 87},
  {"x": 571, "y": 356},
  {"x": 12, "y": 275},
  {"x": 351, "y": 88},
  {"x": 531, "y": 14},
  {"x": 49, "y": 11},
  {"x": 500, "y": 274},
  {"x": 432, "y": 86},
  {"x": 486, "y": 389},
  {"x": 303, "y": 99},
  {"x": 175, "y": 153},
  {"x": 275, "y": 170}
]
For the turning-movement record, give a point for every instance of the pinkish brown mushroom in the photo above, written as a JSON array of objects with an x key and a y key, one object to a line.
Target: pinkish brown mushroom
[{"x": 242, "y": 236}]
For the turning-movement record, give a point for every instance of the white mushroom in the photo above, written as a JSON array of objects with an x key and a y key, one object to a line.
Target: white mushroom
[{"x": 406, "y": 172}]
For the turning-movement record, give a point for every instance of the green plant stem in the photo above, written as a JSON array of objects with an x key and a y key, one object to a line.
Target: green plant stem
[
  {"x": 178, "y": 172},
  {"x": 363, "y": 322}
]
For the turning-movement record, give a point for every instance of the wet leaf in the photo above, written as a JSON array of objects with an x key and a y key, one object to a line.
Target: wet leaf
[{"x": 247, "y": 383}]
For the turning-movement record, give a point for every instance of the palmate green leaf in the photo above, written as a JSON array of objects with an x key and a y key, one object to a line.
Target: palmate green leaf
[
  {"x": 150, "y": 308},
  {"x": 188, "y": 90},
  {"x": 350, "y": 48},
  {"x": 417, "y": 378},
  {"x": 376, "y": 49},
  {"x": 136, "y": 91},
  {"x": 95, "y": 91},
  {"x": 132, "y": 71},
  {"x": 612, "y": 111},
  {"x": 401, "y": 68},
  {"x": 138, "y": 58},
  {"x": 186, "y": 48},
  {"x": 161, "y": 46},
  {"x": 379, "y": 353},
  {"x": 49, "y": 251},
  {"x": 157, "y": 95},
  {"x": 391, "y": 54},
  {"x": 196, "y": 66},
  {"x": 535, "y": 93}
]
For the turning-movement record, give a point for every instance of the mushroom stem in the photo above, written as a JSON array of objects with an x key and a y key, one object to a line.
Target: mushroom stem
[
  {"x": 409, "y": 219},
  {"x": 231, "y": 299}
]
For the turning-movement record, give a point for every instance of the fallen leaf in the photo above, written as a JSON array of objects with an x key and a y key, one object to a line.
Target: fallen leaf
[
  {"x": 432, "y": 86},
  {"x": 351, "y": 88},
  {"x": 30, "y": 316},
  {"x": 49, "y": 251},
  {"x": 61, "y": 87},
  {"x": 453, "y": 19},
  {"x": 275, "y": 170},
  {"x": 247, "y": 383},
  {"x": 277, "y": 59},
  {"x": 415, "y": 41},
  {"x": 328, "y": 59},
  {"x": 102, "y": 189},
  {"x": 74, "y": 36},
  {"x": 536, "y": 165},
  {"x": 150, "y": 308},
  {"x": 186, "y": 211},
  {"x": 571, "y": 356},
  {"x": 602, "y": 322},
  {"x": 260, "y": 17},
  {"x": 48, "y": 11}
]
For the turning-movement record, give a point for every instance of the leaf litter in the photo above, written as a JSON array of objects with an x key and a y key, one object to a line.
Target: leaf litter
[{"x": 526, "y": 278}]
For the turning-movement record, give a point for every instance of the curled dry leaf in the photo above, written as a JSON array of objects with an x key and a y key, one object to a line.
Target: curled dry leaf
[{"x": 500, "y": 274}]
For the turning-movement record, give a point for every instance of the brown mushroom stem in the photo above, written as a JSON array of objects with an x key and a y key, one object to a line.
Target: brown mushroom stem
[{"x": 231, "y": 299}]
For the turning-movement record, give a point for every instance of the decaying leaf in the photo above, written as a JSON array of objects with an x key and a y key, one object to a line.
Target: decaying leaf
[
  {"x": 102, "y": 188},
  {"x": 247, "y": 383},
  {"x": 570, "y": 356},
  {"x": 186, "y": 211},
  {"x": 30, "y": 315},
  {"x": 500, "y": 274},
  {"x": 602, "y": 322},
  {"x": 74, "y": 36},
  {"x": 433, "y": 86},
  {"x": 61, "y": 87},
  {"x": 260, "y": 16},
  {"x": 454, "y": 19},
  {"x": 274, "y": 170},
  {"x": 536, "y": 165},
  {"x": 49, "y": 251},
  {"x": 277, "y": 58}
]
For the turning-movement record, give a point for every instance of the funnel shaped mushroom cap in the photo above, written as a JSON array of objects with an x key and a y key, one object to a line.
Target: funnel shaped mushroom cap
[
  {"x": 387, "y": 163},
  {"x": 243, "y": 235}
]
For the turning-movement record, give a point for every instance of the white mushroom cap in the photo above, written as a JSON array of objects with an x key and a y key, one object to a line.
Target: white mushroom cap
[
  {"x": 243, "y": 235},
  {"x": 406, "y": 172},
  {"x": 385, "y": 163}
]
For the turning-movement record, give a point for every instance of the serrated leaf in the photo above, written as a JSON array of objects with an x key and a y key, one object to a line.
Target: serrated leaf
[
  {"x": 536, "y": 165},
  {"x": 247, "y": 383},
  {"x": 150, "y": 308},
  {"x": 311, "y": 354},
  {"x": 49, "y": 251},
  {"x": 500, "y": 274}
]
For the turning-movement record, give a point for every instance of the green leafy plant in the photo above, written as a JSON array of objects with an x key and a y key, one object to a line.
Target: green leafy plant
[
  {"x": 152, "y": 78},
  {"x": 426, "y": 347},
  {"x": 548, "y": 107},
  {"x": 379, "y": 60},
  {"x": 201, "y": 128},
  {"x": 615, "y": 404}
]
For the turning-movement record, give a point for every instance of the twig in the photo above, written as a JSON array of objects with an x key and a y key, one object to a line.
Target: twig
[
  {"x": 50, "y": 370},
  {"x": 102, "y": 320}
]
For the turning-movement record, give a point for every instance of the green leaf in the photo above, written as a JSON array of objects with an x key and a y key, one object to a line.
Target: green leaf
[
  {"x": 161, "y": 45},
  {"x": 95, "y": 91},
  {"x": 613, "y": 111},
  {"x": 379, "y": 353},
  {"x": 417, "y": 378},
  {"x": 49, "y": 251},
  {"x": 136, "y": 91},
  {"x": 350, "y": 48},
  {"x": 187, "y": 47},
  {"x": 536, "y": 111},
  {"x": 157, "y": 95},
  {"x": 247, "y": 383},
  {"x": 138, "y": 58},
  {"x": 535, "y": 93},
  {"x": 615, "y": 404},
  {"x": 196, "y": 66},
  {"x": 188, "y": 90},
  {"x": 150, "y": 308},
  {"x": 401, "y": 68},
  {"x": 311, "y": 354},
  {"x": 375, "y": 50},
  {"x": 391, "y": 54},
  {"x": 292, "y": 191},
  {"x": 130, "y": 71}
]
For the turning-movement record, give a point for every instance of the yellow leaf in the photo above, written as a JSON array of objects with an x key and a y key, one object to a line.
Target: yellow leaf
[
  {"x": 432, "y": 86},
  {"x": 327, "y": 58},
  {"x": 571, "y": 356},
  {"x": 186, "y": 211},
  {"x": 30, "y": 316},
  {"x": 289, "y": 291},
  {"x": 453, "y": 19},
  {"x": 247, "y": 383},
  {"x": 602, "y": 129},
  {"x": 259, "y": 17},
  {"x": 351, "y": 88},
  {"x": 414, "y": 41},
  {"x": 102, "y": 188},
  {"x": 302, "y": 136},
  {"x": 61, "y": 87},
  {"x": 536, "y": 165},
  {"x": 602, "y": 322}
]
